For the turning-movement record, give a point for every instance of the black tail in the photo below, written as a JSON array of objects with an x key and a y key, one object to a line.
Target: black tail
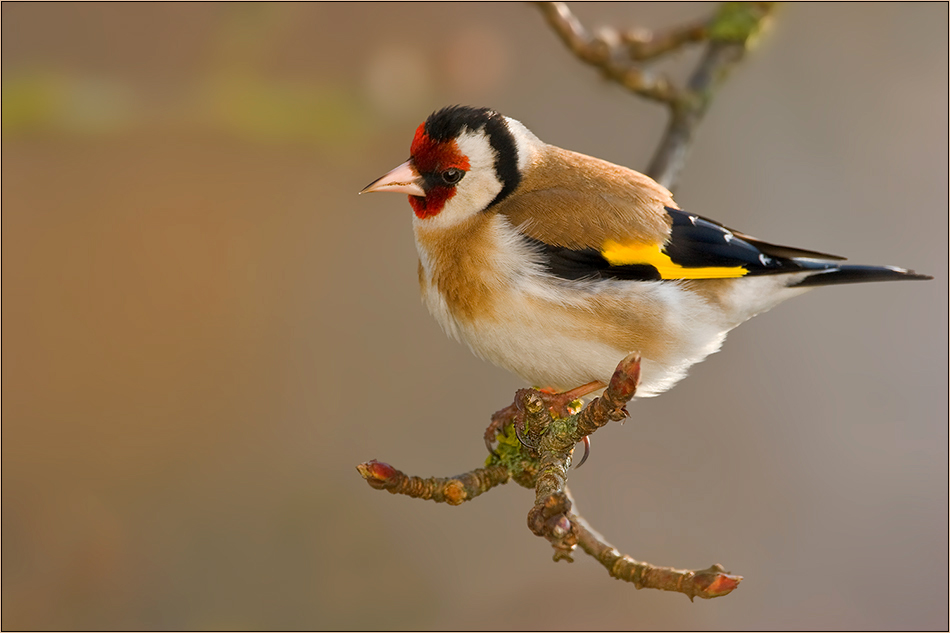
[{"x": 847, "y": 274}]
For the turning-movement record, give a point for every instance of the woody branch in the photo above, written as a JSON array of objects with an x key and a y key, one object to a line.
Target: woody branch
[{"x": 535, "y": 450}]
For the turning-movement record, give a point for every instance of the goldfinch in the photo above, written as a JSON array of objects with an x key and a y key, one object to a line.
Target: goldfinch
[{"x": 556, "y": 265}]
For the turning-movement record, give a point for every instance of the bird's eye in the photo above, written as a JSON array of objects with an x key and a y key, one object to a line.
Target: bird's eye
[{"x": 452, "y": 175}]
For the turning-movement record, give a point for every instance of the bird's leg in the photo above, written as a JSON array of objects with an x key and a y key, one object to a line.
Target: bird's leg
[{"x": 557, "y": 403}]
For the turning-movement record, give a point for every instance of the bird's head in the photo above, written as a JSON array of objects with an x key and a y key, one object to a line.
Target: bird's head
[{"x": 463, "y": 160}]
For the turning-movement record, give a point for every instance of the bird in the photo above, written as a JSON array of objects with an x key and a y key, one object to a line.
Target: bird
[{"x": 555, "y": 265}]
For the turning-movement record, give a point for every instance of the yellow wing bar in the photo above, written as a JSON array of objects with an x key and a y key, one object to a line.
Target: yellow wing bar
[{"x": 618, "y": 254}]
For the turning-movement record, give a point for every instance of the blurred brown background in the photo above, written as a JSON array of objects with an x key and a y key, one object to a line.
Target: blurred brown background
[{"x": 205, "y": 329}]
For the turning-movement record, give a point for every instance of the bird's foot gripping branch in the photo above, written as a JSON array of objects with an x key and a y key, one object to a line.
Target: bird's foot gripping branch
[{"x": 535, "y": 449}]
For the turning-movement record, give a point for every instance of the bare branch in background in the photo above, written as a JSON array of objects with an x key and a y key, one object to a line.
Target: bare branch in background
[
  {"x": 606, "y": 51},
  {"x": 619, "y": 55}
]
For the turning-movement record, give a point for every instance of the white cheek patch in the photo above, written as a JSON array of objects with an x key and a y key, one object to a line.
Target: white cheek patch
[{"x": 478, "y": 150}]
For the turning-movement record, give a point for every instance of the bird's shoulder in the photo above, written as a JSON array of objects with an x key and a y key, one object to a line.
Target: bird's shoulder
[{"x": 571, "y": 200}]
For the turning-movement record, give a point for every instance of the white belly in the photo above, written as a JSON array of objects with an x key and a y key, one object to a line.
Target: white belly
[{"x": 552, "y": 346}]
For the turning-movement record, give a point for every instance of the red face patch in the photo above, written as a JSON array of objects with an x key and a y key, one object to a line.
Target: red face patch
[{"x": 433, "y": 157}]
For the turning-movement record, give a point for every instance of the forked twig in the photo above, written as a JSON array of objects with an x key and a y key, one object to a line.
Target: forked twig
[{"x": 542, "y": 462}]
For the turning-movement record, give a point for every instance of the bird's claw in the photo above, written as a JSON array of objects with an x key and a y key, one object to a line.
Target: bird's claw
[
  {"x": 499, "y": 420},
  {"x": 519, "y": 430},
  {"x": 586, "y": 452}
]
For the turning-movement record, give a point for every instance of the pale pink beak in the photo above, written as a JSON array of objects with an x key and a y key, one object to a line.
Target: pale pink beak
[{"x": 403, "y": 179}]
